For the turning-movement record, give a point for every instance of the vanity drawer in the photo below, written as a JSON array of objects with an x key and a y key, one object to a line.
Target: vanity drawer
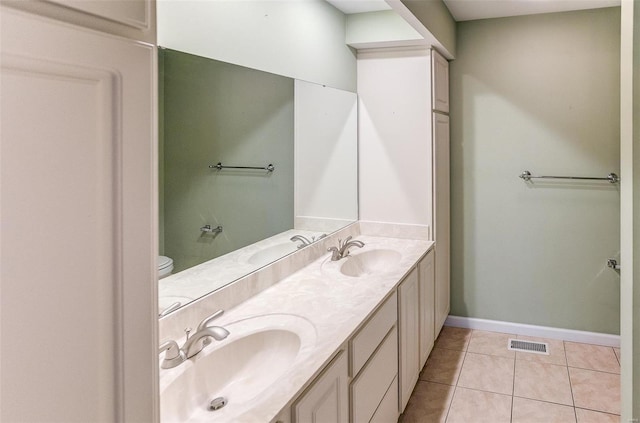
[
  {"x": 365, "y": 342},
  {"x": 388, "y": 409},
  {"x": 371, "y": 385}
]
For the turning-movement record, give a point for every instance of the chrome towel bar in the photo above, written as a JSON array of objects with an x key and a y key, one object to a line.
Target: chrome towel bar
[
  {"x": 208, "y": 229},
  {"x": 613, "y": 264},
  {"x": 612, "y": 177},
  {"x": 220, "y": 166}
]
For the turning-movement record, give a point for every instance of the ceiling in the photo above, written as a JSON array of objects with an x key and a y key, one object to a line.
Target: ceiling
[
  {"x": 466, "y": 10},
  {"x": 359, "y": 6}
]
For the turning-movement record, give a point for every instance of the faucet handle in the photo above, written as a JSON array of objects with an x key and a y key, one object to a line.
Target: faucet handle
[
  {"x": 205, "y": 322},
  {"x": 335, "y": 253},
  {"x": 173, "y": 356}
]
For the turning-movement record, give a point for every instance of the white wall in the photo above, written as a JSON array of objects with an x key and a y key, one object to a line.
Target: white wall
[
  {"x": 538, "y": 93},
  {"x": 395, "y": 136},
  {"x": 302, "y": 39},
  {"x": 326, "y": 150}
]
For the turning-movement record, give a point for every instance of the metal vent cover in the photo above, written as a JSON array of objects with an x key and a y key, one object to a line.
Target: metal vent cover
[{"x": 528, "y": 346}]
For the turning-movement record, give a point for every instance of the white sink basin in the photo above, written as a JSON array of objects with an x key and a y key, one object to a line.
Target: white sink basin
[
  {"x": 370, "y": 262},
  {"x": 259, "y": 352},
  {"x": 272, "y": 253}
]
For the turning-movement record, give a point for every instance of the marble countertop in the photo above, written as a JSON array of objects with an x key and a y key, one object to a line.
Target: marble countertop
[
  {"x": 193, "y": 283},
  {"x": 335, "y": 304}
]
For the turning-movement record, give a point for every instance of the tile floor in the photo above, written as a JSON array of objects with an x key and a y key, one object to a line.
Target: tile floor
[{"x": 471, "y": 377}]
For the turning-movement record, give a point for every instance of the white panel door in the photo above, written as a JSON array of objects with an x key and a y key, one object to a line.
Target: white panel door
[
  {"x": 441, "y": 217},
  {"x": 408, "y": 336},
  {"x": 77, "y": 241},
  {"x": 426, "y": 275}
]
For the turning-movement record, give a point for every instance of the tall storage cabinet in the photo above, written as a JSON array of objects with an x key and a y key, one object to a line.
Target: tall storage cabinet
[
  {"x": 403, "y": 96},
  {"x": 77, "y": 199},
  {"x": 441, "y": 218},
  {"x": 403, "y": 149},
  {"x": 441, "y": 185}
]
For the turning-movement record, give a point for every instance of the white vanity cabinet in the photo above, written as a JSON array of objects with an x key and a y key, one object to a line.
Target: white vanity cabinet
[
  {"x": 408, "y": 335},
  {"x": 374, "y": 366},
  {"x": 426, "y": 276},
  {"x": 327, "y": 399},
  {"x": 384, "y": 356}
]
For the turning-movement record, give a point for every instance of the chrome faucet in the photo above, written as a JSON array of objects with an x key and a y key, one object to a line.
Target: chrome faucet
[
  {"x": 195, "y": 343},
  {"x": 342, "y": 250},
  {"x": 305, "y": 241}
]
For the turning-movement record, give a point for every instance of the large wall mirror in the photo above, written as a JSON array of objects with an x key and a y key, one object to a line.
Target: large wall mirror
[{"x": 253, "y": 166}]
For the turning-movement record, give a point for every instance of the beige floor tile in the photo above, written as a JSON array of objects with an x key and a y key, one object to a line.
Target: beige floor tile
[
  {"x": 556, "y": 351},
  {"x": 443, "y": 366},
  {"x": 592, "y": 357},
  {"x": 429, "y": 403},
  {"x": 589, "y": 416},
  {"x": 617, "y": 351},
  {"x": 487, "y": 373},
  {"x": 596, "y": 391},
  {"x": 530, "y": 411},
  {"x": 544, "y": 382},
  {"x": 453, "y": 338},
  {"x": 479, "y": 407},
  {"x": 492, "y": 343}
]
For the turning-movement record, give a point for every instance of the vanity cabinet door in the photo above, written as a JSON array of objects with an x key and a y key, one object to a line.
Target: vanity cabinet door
[
  {"x": 427, "y": 306},
  {"x": 409, "y": 323},
  {"x": 327, "y": 400}
]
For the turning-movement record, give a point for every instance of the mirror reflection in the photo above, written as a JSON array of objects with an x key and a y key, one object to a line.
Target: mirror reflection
[{"x": 252, "y": 167}]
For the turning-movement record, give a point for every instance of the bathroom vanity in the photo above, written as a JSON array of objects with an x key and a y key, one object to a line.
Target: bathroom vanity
[{"x": 354, "y": 334}]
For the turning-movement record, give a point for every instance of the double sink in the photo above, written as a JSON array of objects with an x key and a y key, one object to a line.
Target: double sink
[{"x": 231, "y": 377}]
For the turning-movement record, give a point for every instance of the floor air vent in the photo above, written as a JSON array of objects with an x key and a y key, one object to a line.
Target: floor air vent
[{"x": 529, "y": 346}]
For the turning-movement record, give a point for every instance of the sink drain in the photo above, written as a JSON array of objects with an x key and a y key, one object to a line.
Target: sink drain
[{"x": 217, "y": 403}]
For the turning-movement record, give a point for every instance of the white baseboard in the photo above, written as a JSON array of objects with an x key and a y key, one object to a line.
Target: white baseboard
[{"x": 537, "y": 331}]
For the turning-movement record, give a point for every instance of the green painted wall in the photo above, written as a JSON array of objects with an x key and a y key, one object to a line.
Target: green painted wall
[
  {"x": 435, "y": 16},
  {"x": 635, "y": 354},
  {"x": 538, "y": 93},
  {"x": 218, "y": 112},
  {"x": 380, "y": 29}
]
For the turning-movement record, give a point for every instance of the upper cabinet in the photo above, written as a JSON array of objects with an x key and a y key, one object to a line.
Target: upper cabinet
[
  {"x": 439, "y": 82},
  {"x": 133, "y": 19}
]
